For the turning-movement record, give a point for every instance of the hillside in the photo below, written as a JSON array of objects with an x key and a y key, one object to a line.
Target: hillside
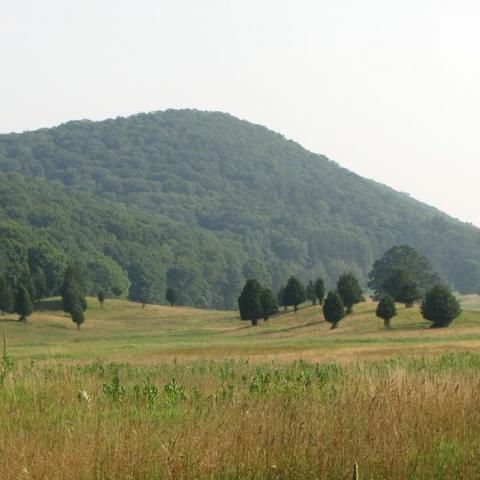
[
  {"x": 202, "y": 201},
  {"x": 124, "y": 331}
]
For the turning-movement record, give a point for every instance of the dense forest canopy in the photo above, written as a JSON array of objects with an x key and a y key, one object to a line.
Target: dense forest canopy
[{"x": 202, "y": 201}]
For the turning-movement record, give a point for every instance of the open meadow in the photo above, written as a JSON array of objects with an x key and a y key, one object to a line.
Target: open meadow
[{"x": 179, "y": 393}]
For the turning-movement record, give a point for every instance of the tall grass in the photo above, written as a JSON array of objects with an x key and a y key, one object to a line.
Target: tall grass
[{"x": 399, "y": 419}]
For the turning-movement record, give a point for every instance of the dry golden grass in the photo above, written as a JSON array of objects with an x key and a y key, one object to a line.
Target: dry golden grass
[{"x": 399, "y": 419}]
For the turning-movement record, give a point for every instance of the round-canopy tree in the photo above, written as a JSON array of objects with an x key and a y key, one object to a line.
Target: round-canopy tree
[
  {"x": 294, "y": 293},
  {"x": 440, "y": 306},
  {"x": 250, "y": 301},
  {"x": 402, "y": 287},
  {"x": 23, "y": 304},
  {"x": 386, "y": 309},
  {"x": 402, "y": 257},
  {"x": 269, "y": 303},
  {"x": 333, "y": 309},
  {"x": 101, "y": 297},
  {"x": 349, "y": 290}
]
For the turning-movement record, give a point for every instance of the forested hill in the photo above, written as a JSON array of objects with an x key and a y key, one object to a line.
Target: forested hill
[{"x": 202, "y": 201}]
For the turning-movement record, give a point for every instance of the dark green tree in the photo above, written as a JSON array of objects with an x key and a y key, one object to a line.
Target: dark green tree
[
  {"x": 73, "y": 289},
  {"x": 402, "y": 287},
  {"x": 101, "y": 297},
  {"x": 349, "y": 290},
  {"x": 7, "y": 301},
  {"x": 310, "y": 292},
  {"x": 294, "y": 293},
  {"x": 386, "y": 309},
  {"x": 171, "y": 296},
  {"x": 269, "y": 303},
  {"x": 78, "y": 317},
  {"x": 440, "y": 306},
  {"x": 250, "y": 301},
  {"x": 320, "y": 290},
  {"x": 406, "y": 258},
  {"x": 23, "y": 304},
  {"x": 333, "y": 309}
]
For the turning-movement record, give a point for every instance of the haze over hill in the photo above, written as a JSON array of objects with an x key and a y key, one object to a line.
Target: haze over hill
[{"x": 201, "y": 201}]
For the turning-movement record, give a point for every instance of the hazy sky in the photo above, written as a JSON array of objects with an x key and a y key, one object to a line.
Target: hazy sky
[{"x": 388, "y": 89}]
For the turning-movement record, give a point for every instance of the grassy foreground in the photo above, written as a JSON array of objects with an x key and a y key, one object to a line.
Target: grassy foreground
[{"x": 178, "y": 393}]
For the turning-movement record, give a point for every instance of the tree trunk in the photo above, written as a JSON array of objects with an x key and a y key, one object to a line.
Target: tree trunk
[
  {"x": 349, "y": 310},
  {"x": 254, "y": 322},
  {"x": 386, "y": 322},
  {"x": 78, "y": 326},
  {"x": 295, "y": 307},
  {"x": 334, "y": 325}
]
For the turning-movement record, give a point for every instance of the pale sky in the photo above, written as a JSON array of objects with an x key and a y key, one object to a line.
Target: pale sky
[{"x": 389, "y": 89}]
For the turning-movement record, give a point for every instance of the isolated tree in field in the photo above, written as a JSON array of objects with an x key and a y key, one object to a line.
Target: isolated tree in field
[
  {"x": 23, "y": 304},
  {"x": 269, "y": 303},
  {"x": 402, "y": 287},
  {"x": 73, "y": 294},
  {"x": 402, "y": 257},
  {"x": 310, "y": 292},
  {"x": 117, "y": 291},
  {"x": 250, "y": 301},
  {"x": 101, "y": 297},
  {"x": 281, "y": 298},
  {"x": 294, "y": 293},
  {"x": 386, "y": 309},
  {"x": 349, "y": 290},
  {"x": 320, "y": 290},
  {"x": 7, "y": 301},
  {"x": 333, "y": 309},
  {"x": 171, "y": 296},
  {"x": 78, "y": 316},
  {"x": 440, "y": 306}
]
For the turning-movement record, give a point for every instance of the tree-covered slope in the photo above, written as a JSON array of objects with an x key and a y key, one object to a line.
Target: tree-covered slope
[{"x": 213, "y": 200}]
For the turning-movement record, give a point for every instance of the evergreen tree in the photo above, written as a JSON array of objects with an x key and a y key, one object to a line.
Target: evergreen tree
[
  {"x": 250, "y": 301},
  {"x": 171, "y": 296},
  {"x": 6, "y": 297},
  {"x": 78, "y": 316},
  {"x": 320, "y": 290},
  {"x": 101, "y": 297},
  {"x": 294, "y": 293},
  {"x": 23, "y": 304},
  {"x": 440, "y": 306},
  {"x": 402, "y": 287},
  {"x": 310, "y": 293},
  {"x": 349, "y": 290},
  {"x": 333, "y": 309},
  {"x": 73, "y": 289},
  {"x": 386, "y": 309},
  {"x": 269, "y": 303}
]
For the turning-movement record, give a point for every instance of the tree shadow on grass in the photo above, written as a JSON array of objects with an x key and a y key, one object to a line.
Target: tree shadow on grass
[{"x": 53, "y": 305}]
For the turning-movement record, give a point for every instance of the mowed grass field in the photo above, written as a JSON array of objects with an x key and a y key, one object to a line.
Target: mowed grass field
[
  {"x": 178, "y": 393},
  {"x": 124, "y": 331}
]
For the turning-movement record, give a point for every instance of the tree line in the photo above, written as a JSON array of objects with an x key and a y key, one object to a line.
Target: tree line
[{"x": 402, "y": 275}]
